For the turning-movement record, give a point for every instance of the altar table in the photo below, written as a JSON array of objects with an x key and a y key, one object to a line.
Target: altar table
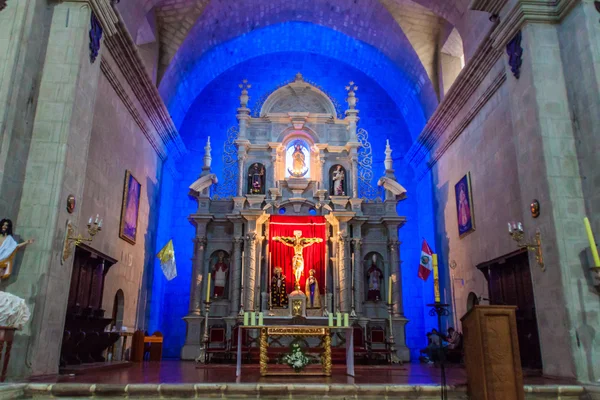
[{"x": 295, "y": 331}]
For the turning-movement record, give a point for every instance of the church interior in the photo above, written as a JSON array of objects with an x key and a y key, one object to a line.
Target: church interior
[{"x": 300, "y": 199}]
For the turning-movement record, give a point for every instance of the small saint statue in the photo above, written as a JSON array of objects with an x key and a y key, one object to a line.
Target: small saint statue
[
  {"x": 311, "y": 288},
  {"x": 279, "y": 296},
  {"x": 256, "y": 179},
  {"x": 8, "y": 248},
  {"x": 219, "y": 274},
  {"x": 338, "y": 178},
  {"x": 374, "y": 277}
]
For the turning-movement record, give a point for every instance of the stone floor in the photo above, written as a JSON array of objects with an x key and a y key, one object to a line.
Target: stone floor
[{"x": 176, "y": 379}]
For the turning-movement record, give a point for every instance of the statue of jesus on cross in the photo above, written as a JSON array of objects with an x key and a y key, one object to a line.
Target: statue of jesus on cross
[{"x": 298, "y": 243}]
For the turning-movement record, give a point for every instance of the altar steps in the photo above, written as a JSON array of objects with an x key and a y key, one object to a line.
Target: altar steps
[{"x": 291, "y": 391}]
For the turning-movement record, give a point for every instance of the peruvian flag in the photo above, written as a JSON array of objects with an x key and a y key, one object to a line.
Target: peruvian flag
[{"x": 426, "y": 265}]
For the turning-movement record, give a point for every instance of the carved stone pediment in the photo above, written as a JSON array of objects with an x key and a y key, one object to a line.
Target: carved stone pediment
[{"x": 298, "y": 97}]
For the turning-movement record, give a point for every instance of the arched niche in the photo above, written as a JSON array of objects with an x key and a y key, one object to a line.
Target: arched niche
[
  {"x": 374, "y": 277},
  {"x": 472, "y": 301},
  {"x": 298, "y": 158},
  {"x": 118, "y": 310},
  {"x": 338, "y": 180},
  {"x": 256, "y": 178},
  {"x": 219, "y": 268}
]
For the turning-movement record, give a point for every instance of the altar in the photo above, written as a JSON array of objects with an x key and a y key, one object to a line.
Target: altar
[
  {"x": 300, "y": 226},
  {"x": 324, "y": 333}
]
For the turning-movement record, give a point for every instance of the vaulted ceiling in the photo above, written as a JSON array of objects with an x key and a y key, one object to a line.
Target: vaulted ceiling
[{"x": 402, "y": 37}]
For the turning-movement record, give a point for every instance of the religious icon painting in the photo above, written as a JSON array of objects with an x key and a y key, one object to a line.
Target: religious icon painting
[
  {"x": 464, "y": 206},
  {"x": 130, "y": 208}
]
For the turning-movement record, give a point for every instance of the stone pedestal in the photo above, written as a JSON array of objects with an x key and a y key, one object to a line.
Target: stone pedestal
[
  {"x": 297, "y": 304},
  {"x": 255, "y": 201},
  {"x": 339, "y": 202},
  {"x": 193, "y": 337},
  {"x": 356, "y": 206},
  {"x": 297, "y": 185}
]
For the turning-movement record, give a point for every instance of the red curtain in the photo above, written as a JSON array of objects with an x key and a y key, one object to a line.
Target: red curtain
[{"x": 314, "y": 255}]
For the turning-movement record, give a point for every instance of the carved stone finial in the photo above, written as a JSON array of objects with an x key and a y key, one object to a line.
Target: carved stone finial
[
  {"x": 299, "y": 77},
  {"x": 351, "y": 99},
  {"x": 388, "y": 156},
  {"x": 244, "y": 96},
  {"x": 207, "y": 156}
]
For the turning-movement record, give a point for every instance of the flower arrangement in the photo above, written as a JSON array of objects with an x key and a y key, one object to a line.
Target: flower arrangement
[{"x": 296, "y": 358}]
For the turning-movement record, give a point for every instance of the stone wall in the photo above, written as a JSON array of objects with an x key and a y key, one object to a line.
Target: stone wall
[
  {"x": 117, "y": 144},
  {"x": 486, "y": 149}
]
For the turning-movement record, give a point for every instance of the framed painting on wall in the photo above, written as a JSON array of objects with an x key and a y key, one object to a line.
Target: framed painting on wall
[
  {"x": 130, "y": 208},
  {"x": 464, "y": 206}
]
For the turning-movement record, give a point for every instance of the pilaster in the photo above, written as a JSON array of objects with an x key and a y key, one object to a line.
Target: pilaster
[
  {"x": 55, "y": 167},
  {"x": 567, "y": 306}
]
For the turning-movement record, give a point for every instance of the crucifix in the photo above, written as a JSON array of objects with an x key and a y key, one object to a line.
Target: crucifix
[{"x": 298, "y": 243}]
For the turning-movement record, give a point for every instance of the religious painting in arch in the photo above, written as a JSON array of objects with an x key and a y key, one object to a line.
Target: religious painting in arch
[
  {"x": 219, "y": 270},
  {"x": 256, "y": 178},
  {"x": 337, "y": 181},
  {"x": 374, "y": 266},
  {"x": 130, "y": 208},
  {"x": 464, "y": 206},
  {"x": 297, "y": 159}
]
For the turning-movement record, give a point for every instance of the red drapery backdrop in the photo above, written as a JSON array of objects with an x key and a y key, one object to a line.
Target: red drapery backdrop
[{"x": 314, "y": 255}]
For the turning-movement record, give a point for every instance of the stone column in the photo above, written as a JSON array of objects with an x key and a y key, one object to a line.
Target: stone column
[
  {"x": 344, "y": 272},
  {"x": 55, "y": 167},
  {"x": 547, "y": 162},
  {"x": 354, "y": 160},
  {"x": 258, "y": 287},
  {"x": 236, "y": 275},
  {"x": 398, "y": 308},
  {"x": 250, "y": 271},
  {"x": 241, "y": 172},
  {"x": 358, "y": 276},
  {"x": 23, "y": 36},
  {"x": 198, "y": 284}
]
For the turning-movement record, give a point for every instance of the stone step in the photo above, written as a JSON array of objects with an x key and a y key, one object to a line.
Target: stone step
[{"x": 296, "y": 391}]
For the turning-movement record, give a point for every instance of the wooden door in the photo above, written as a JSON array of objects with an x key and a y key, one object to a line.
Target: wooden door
[{"x": 510, "y": 284}]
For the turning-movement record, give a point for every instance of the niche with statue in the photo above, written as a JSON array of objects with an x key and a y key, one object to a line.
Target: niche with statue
[
  {"x": 375, "y": 278},
  {"x": 256, "y": 179},
  {"x": 219, "y": 269},
  {"x": 337, "y": 181}
]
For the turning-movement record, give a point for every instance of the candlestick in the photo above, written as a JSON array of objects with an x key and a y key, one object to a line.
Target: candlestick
[
  {"x": 509, "y": 228},
  {"x": 520, "y": 226},
  {"x": 245, "y": 319},
  {"x": 390, "y": 290},
  {"x": 346, "y": 322},
  {"x": 97, "y": 216},
  {"x": 253, "y": 319},
  {"x": 588, "y": 229},
  {"x": 330, "y": 319},
  {"x": 208, "y": 289},
  {"x": 90, "y": 221},
  {"x": 339, "y": 319},
  {"x": 436, "y": 279},
  {"x": 260, "y": 319}
]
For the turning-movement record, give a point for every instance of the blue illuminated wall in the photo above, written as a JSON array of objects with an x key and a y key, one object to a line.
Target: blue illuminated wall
[{"x": 213, "y": 112}]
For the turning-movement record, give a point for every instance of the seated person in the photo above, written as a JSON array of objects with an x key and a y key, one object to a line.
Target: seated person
[
  {"x": 433, "y": 346},
  {"x": 453, "y": 339}
]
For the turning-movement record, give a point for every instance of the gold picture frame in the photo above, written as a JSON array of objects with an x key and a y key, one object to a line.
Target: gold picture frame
[
  {"x": 465, "y": 211},
  {"x": 130, "y": 208}
]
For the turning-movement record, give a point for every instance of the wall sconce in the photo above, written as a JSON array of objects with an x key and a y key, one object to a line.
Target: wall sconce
[
  {"x": 70, "y": 238},
  {"x": 516, "y": 232}
]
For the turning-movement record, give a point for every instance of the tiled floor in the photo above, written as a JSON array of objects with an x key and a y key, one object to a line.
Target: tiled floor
[{"x": 190, "y": 372}]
